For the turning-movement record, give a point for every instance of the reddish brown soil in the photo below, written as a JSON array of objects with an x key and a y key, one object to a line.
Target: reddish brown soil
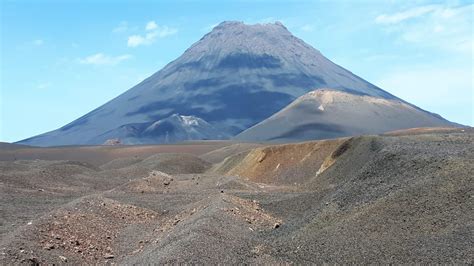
[{"x": 282, "y": 164}]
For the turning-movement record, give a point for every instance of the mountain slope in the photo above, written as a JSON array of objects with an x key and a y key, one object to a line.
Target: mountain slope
[
  {"x": 326, "y": 113},
  {"x": 168, "y": 130},
  {"x": 234, "y": 77}
]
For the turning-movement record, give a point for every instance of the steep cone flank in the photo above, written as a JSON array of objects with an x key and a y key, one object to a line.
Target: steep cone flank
[{"x": 234, "y": 77}]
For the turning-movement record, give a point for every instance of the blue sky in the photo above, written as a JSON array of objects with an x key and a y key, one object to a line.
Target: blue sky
[{"x": 61, "y": 59}]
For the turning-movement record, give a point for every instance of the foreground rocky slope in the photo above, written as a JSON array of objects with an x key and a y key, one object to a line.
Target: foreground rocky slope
[{"x": 383, "y": 199}]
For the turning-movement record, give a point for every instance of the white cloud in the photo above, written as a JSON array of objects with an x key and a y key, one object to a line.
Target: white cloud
[
  {"x": 436, "y": 26},
  {"x": 38, "y": 42},
  {"x": 404, "y": 15},
  {"x": 154, "y": 31},
  {"x": 151, "y": 25},
  {"x": 165, "y": 31},
  {"x": 102, "y": 59},
  {"x": 136, "y": 40}
]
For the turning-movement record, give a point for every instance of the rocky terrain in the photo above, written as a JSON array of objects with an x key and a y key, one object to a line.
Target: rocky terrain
[{"x": 401, "y": 197}]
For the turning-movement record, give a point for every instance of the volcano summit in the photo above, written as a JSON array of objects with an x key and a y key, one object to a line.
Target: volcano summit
[{"x": 233, "y": 78}]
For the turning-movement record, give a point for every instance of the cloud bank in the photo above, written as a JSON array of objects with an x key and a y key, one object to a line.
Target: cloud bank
[
  {"x": 152, "y": 32},
  {"x": 102, "y": 59}
]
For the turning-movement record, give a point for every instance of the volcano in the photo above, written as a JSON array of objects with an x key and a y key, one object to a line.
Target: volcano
[
  {"x": 326, "y": 113},
  {"x": 231, "y": 79}
]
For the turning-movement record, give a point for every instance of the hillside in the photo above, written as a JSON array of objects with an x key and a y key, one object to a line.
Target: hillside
[
  {"x": 403, "y": 198},
  {"x": 326, "y": 113}
]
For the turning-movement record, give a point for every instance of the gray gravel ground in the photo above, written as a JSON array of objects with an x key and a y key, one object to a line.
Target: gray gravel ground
[{"x": 384, "y": 199}]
